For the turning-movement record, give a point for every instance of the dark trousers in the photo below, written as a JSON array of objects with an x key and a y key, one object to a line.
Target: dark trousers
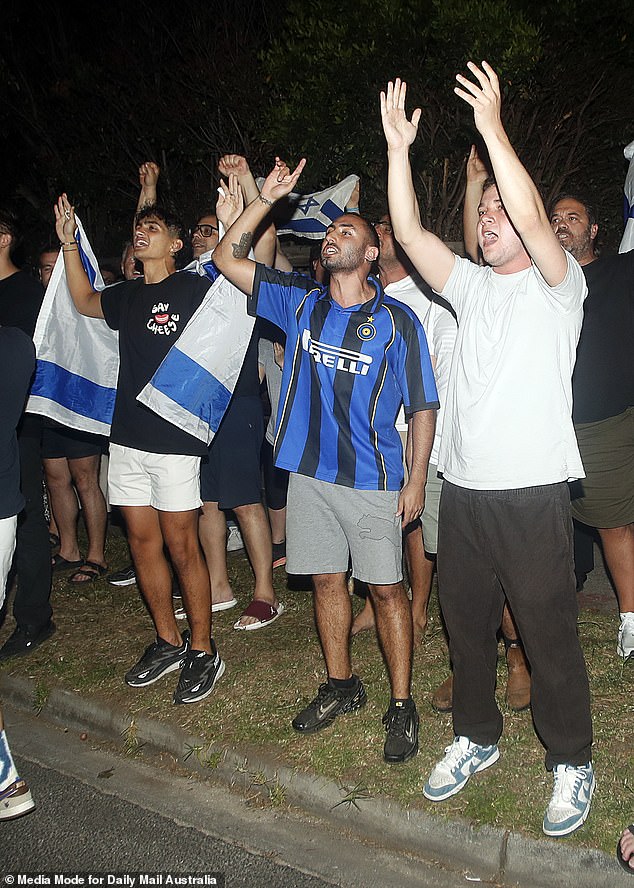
[
  {"x": 32, "y": 607},
  {"x": 518, "y": 544}
]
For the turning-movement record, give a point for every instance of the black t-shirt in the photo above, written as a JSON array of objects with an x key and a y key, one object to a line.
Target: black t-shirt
[
  {"x": 20, "y": 301},
  {"x": 603, "y": 379},
  {"x": 149, "y": 318},
  {"x": 17, "y": 363}
]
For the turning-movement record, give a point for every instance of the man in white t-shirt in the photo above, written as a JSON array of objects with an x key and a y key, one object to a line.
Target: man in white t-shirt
[{"x": 508, "y": 452}]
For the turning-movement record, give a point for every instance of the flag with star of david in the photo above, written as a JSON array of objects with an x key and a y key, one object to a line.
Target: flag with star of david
[{"x": 308, "y": 215}]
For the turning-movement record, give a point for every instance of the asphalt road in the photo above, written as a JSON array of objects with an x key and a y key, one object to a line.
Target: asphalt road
[{"x": 102, "y": 813}]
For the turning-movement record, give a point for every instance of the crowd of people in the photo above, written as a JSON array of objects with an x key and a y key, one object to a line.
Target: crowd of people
[{"x": 427, "y": 410}]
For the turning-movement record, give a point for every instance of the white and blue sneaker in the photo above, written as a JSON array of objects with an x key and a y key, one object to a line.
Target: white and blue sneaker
[
  {"x": 570, "y": 803},
  {"x": 462, "y": 759}
]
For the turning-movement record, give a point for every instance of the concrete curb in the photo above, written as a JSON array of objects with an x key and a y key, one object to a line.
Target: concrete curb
[{"x": 484, "y": 852}]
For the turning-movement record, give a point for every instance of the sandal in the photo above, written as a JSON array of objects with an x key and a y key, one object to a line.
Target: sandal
[
  {"x": 90, "y": 571},
  {"x": 58, "y": 562},
  {"x": 619, "y": 856},
  {"x": 264, "y": 613}
]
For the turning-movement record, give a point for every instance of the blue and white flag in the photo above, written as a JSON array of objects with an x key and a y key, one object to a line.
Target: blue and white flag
[
  {"x": 193, "y": 386},
  {"x": 308, "y": 215},
  {"x": 77, "y": 357},
  {"x": 627, "y": 241}
]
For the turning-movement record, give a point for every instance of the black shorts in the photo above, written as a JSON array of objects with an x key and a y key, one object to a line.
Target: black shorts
[
  {"x": 230, "y": 474},
  {"x": 61, "y": 442},
  {"x": 275, "y": 480}
]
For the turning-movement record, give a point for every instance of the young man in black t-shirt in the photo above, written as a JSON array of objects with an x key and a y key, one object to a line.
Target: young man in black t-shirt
[{"x": 154, "y": 466}]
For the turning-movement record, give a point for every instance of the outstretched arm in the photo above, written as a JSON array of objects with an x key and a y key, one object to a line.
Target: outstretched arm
[
  {"x": 518, "y": 193},
  {"x": 265, "y": 240},
  {"x": 149, "y": 173},
  {"x": 476, "y": 177},
  {"x": 231, "y": 254},
  {"x": 87, "y": 301},
  {"x": 427, "y": 252}
]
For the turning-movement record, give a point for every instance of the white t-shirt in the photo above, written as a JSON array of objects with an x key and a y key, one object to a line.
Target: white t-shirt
[
  {"x": 440, "y": 330},
  {"x": 509, "y": 402}
]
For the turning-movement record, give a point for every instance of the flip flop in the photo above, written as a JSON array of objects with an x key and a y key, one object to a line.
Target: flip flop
[
  {"x": 58, "y": 562},
  {"x": 619, "y": 856},
  {"x": 223, "y": 605},
  {"x": 264, "y": 612},
  {"x": 93, "y": 573}
]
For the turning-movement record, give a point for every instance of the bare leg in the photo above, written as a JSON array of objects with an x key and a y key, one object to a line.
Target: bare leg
[
  {"x": 180, "y": 532},
  {"x": 277, "y": 520},
  {"x": 64, "y": 506},
  {"x": 618, "y": 547},
  {"x": 256, "y": 533},
  {"x": 333, "y": 616},
  {"x": 212, "y": 532},
  {"x": 85, "y": 475},
  {"x": 153, "y": 575},
  {"x": 394, "y": 629},
  {"x": 421, "y": 570}
]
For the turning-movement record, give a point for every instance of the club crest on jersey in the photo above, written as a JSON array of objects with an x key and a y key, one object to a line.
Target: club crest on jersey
[
  {"x": 366, "y": 332},
  {"x": 336, "y": 357},
  {"x": 162, "y": 322}
]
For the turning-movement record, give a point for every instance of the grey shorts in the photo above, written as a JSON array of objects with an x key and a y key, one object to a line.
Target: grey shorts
[{"x": 327, "y": 524}]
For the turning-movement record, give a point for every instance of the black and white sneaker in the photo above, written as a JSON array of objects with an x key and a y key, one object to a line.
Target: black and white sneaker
[
  {"x": 328, "y": 704},
  {"x": 401, "y": 724},
  {"x": 199, "y": 676},
  {"x": 124, "y": 577},
  {"x": 158, "y": 659}
]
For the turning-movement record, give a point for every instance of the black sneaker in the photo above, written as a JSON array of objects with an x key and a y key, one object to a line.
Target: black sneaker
[
  {"x": 199, "y": 676},
  {"x": 159, "y": 659},
  {"x": 401, "y": 724},
  {"x": 279, "y": 554},
  {"x": 328, "y": 704},
  {"x": 25, "y": 639},
  {"x": 124, "y": 577}
]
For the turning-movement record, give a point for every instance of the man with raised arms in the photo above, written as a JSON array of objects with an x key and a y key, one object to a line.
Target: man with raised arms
[
  {"x": 352, "y": 355},
  {"x": 505, "y": 523}
]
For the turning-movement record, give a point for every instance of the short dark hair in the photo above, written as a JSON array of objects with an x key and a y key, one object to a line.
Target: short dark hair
[
  {"x": 9, "y": 224},
  {"x": 580, "y": 198},
  {"x": 169, "y": 218},
  {"x": 490, "y": 182}
]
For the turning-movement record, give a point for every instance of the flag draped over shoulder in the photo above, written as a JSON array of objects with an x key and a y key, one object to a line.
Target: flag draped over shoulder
[
  {"x": 193, "y": 386},
  {"x": 308, "y": 215},
  {"x": 627, "y": 241},
  {"x": 77, "y": 357}
]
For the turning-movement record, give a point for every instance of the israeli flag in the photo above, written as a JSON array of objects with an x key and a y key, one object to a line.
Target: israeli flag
[
  {"x": 308, "y": 215},
  {"x": 627, "y": 241},
  {"x": 77, "y": 357},
  {"x": 193, "y": 386}
]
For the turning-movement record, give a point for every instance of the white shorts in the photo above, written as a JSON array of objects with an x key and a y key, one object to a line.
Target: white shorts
[
  {"x": 168, "y": 482},
  {"x": 7, "y": 548}
]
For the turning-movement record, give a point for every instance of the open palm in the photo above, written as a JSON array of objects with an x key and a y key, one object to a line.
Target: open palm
[{"x": 399, "y": 131}]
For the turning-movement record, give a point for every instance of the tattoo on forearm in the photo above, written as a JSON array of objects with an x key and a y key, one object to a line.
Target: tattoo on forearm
[{"x": 241, "y": 250}]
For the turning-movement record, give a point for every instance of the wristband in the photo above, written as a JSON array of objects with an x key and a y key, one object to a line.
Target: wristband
[
  {"x": 352, "y": 209},
  {"x": 68, "y": 243},
  {"x": 265, "y": 200}
]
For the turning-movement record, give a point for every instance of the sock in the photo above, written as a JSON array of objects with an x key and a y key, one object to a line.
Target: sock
[
  {"x": 343, "y": 684},
  {"x": 402, "y": 704},
  {"x": 8, "y": 773}
]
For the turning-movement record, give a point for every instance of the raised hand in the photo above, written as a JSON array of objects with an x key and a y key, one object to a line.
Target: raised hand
[
  {"x": 65, "y": 223},
  {"x": 477, "y": 172},
  {"x": 149, "y": 173},
  {"x": 230, "y": 201},
  {"x": 483, "y": 96},
  {"x": 233, "y": 163},
  {"x": 280, "y": 181},
  {"x": 399, "y": 131}
]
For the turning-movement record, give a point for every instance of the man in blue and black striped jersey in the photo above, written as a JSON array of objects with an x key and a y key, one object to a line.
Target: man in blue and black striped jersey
[{"x": 353, "y": 355}]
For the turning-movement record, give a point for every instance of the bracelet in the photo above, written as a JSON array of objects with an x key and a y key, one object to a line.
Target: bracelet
[
  {"x": 352, "y": 209},
  {"x": 70, "y": 249},
  {"x": 265, "y": 200},
  {"x": 68, "y": 243}
]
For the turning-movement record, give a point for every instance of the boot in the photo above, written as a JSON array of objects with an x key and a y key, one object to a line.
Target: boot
[
  {"x": 518, "y": 688},
  {"x": 442, "y": 700}
]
